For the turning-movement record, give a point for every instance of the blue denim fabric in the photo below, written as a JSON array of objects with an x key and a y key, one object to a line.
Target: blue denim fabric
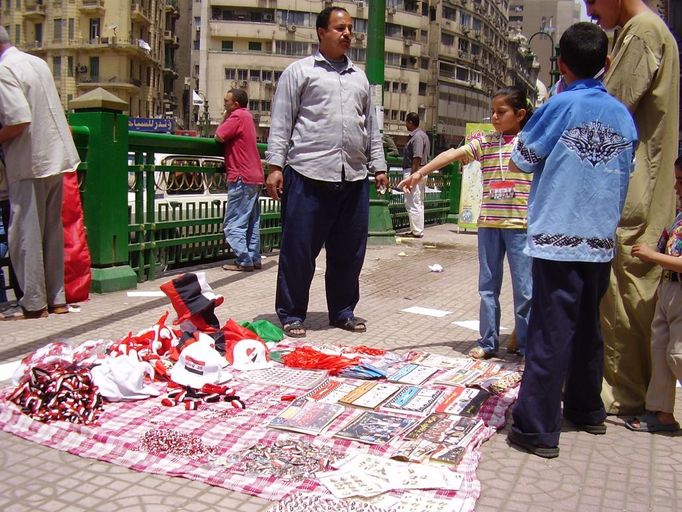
[
  {"x": 493, "y": 243},
  {"x": 242, "y": 222}
]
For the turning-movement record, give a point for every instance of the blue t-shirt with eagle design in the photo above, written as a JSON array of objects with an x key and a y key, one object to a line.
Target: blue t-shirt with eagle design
[{"x": 580, "y": 147}]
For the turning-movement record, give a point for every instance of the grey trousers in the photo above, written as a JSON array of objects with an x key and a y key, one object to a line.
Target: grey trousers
[{"x": 37, "y": 240}]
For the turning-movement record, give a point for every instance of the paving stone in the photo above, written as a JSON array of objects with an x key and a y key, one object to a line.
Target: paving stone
[{"x": 619, "y": 471}]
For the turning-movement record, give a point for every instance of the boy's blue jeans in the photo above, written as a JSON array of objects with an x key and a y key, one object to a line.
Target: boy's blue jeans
[
  {"x": 493, "y": 243},
  {"x": 242, "y": 222}
]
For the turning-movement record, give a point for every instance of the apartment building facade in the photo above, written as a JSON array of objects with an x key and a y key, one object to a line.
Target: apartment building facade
[
  {"x": 125, "y": 47},
  {"x": 544, "y": 21},
  {"x": 443, "y": 58}
]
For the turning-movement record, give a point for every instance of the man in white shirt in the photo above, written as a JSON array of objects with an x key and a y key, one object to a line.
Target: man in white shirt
[
  {"x": 38, "y": 149},
  {"x": 324, "y": 140},
  {"x": 415, "y": 155}
]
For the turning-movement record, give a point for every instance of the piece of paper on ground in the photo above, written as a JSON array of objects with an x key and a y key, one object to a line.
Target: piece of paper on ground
[{"x": 418, "y": 310}]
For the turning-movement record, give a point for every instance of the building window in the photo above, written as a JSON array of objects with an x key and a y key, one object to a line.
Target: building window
[
  {"x": 392, "y": 59},
  {"x": 227, "y": 46},
  {"x": 387, "y": 85},
  {"x": 403, "y": 87},
  {"x": 393, "y": 30},
  {"x": 462, "y": 74},
  {"x": 302, "y": 19},
  {"x": 195, "y": 44},
  {"x": 39, "y": 33},
  {"x": 255, "y": 46},
  {"x": 94, "y": 30},
  {"x": 267, "y": 76},
  {"x": 69, "y": 66},
  {"x": 58, "y": 24},
  {"x": 57, "y": 67},
  {"x": 292, "y": 48},
  {"x": 94, "y": 69},
  {"x": 254, "y": 75},
  {"x": 422, "y": 89},
  {"x": 424, "y": 63},
  {"x": 447, "y": 39},
  {"x": 71, "y": 29},
  {"x": 17, "y": 34},
  {"x": 230, "y": 74},
  {"x": 242, "y": 74},
  {"x": 358, "y": 54}
]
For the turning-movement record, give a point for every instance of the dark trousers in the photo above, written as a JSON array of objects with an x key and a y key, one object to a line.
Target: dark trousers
[
  {"x": 316, "y": 214},
  {"x": 565, "y": 349},
  {"x": 4, "y": 212}
]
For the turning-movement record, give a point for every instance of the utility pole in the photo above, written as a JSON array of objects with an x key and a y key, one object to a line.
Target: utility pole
[
  {"x": 206, "y": 119},
  {"x": 380, "y": 224},
  {"x": 376, "y": 28}
]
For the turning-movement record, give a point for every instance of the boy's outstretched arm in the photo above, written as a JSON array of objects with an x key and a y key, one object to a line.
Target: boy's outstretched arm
[{"x": 646, "y": 253}]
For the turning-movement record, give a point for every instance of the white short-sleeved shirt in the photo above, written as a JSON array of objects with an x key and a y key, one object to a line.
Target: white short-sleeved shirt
[{"x": 28, "y": 95}]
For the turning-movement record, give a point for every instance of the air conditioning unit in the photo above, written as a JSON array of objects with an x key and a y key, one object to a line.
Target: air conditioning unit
[
  {"x": 359, "y": 36},
  {"x": 81, "y": 69},
  {"x": 407, "y": 42},
  {"x": 465, "y": 30},
  {"x": 244, "y": 83},
  {"x": 291, "y": 28},
  {"x": 267, "y": 16},
  {"x": 390, "y": 11},
  {"x": 267, "y": 83},
  {"x": 360, "y": 4}
]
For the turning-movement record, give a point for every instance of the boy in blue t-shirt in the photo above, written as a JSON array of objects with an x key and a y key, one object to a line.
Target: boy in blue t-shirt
[{"x": 580, "y": 146}]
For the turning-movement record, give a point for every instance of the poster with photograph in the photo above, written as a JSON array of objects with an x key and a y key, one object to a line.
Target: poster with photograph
[{"x": 472, "y": 188}]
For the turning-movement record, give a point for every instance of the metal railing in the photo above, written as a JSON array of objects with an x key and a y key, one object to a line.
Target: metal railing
[{"x": 148, "y": 217}]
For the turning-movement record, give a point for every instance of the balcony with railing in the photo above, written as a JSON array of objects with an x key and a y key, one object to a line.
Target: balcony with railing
[
  {"x": 172, "y": 8},
  {"x": 139, "y": 14},
  {"x": 92, "y": 7},
  {"x": 34, "y": 10}
]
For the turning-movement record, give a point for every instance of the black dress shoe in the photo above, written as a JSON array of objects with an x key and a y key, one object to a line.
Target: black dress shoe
[{"x": 546, "y": 452}]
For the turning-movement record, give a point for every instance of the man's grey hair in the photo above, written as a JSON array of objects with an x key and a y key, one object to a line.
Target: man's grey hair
[{"x": 4, "y": 36}]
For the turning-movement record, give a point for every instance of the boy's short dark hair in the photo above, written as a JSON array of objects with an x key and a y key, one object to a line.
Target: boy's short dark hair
[{"x": 583, "y": 47}]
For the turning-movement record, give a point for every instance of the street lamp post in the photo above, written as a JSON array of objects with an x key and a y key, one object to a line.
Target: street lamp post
[
  {"x": 553, "y": 71},
  {"x": 206, "y": 119}
]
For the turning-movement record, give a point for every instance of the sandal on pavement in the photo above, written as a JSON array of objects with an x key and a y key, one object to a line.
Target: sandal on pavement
[
  {"x": 351, "y": 324},
  {"x": 17, "y": 312},
  {"x": 650, "y": 423},
  {"x": 479, "y": 353},
  {"x": 236, "y": 267},
  {"x": 294, "y": 329},
  {"x": 58, "y": 309}
]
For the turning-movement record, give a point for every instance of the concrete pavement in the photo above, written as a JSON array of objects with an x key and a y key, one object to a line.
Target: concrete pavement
[{"x": 620, "y": 471}]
